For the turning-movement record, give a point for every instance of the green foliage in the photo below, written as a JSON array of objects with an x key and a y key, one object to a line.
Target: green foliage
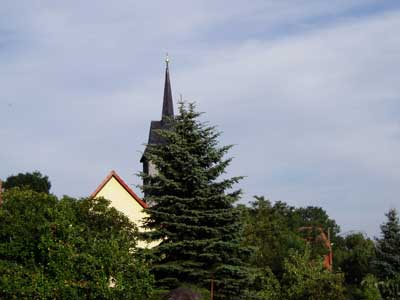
[
  {"x": 34, "y": 181},
  {"x": 306, "y": 279},
  {"x": 265, "y": 285},
  {"x": 273, "y": 230},
  {"x": 390, "y": 288},
  {"x": 67, "y": 249},
  {"x": 316, "y": 217},
  {"x": 387, "y": 262},
  {"x": 369, "y": 288},
  {"x": 353, "y": 255},
  {"x": 192, "y": 212},
  {"x": 269, "y": 232}
]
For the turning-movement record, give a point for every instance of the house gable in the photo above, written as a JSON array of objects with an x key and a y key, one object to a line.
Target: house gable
[{"x": 122, "y": 198}]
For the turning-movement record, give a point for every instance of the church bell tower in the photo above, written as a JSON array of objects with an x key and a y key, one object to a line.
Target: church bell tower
[{"x": 167, "y": 112}]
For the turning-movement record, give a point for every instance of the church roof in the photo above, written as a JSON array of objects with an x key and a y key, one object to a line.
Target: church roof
[
  {"x": 155, "y": 138},
  {"x": 114, "y": 175}
]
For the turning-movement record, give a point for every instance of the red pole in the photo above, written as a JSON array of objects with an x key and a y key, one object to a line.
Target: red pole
[{"x": 330, "y": 249}]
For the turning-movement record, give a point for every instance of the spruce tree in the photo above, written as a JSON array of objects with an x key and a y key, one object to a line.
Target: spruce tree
[
  {"x": 387, "y": 261},
  {"x": 192, "y": 211}
]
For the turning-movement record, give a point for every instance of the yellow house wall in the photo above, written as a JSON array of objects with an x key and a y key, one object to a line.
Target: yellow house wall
[{"x": 122, "y": 201}]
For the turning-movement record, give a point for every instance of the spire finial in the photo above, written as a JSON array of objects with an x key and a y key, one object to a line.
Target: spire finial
[{"x": 166, "y": 59}]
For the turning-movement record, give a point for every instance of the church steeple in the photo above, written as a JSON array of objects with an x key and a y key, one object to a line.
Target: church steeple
[
  {"x": 167, "y": 112},
  {"x": 168, "y": 106}
]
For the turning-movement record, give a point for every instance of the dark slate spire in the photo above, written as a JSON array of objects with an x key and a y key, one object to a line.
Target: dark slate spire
[
  {"x": 167, "y": 111},
  {"x": 168, "y": 107}
]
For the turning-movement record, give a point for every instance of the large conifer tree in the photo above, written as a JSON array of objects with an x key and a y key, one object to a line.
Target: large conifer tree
[
  {"x": 192, "y": 211},
  {"x": 387, "y": 261}
]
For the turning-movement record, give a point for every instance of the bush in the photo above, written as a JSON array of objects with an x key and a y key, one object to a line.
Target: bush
[
  {"x": 390, "y": 288},
  {"x": 68, "y": 249},
  {"x": 369, "y": 288}
]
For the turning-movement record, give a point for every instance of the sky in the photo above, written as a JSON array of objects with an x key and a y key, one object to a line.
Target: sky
[{"x": 308, "y": 91}]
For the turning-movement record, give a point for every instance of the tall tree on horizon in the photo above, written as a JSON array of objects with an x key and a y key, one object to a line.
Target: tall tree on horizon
[
  {"x": 387, "y": 263},
  {"x": 192, "y": 211}
]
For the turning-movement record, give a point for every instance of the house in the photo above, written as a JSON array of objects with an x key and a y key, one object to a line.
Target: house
[{"x": 124, "y": 199}]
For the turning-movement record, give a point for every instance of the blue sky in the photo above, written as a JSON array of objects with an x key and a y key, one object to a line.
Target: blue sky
[{"x": 308, "y": 91}]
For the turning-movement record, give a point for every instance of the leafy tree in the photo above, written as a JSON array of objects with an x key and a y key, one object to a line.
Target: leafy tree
[
  {"x": 268, "y": 231},
  {"x": 353, "y": 255},
  {"x": 314, "y": 216},
  {"x": 305, "y": 278},
  {"x": 273, "y": 230},
  {"x": 310, "y": 221},
  {"x": 265, "y": 285},
  {"x": 34, "y": 181},
  {"x": 390, "y": 288},
  {"x": 387, "y": 262},
  {"x": 369, "y": 288},
  {"x": 67, "y": 249},
  {"x": 192, "y": 212}
]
